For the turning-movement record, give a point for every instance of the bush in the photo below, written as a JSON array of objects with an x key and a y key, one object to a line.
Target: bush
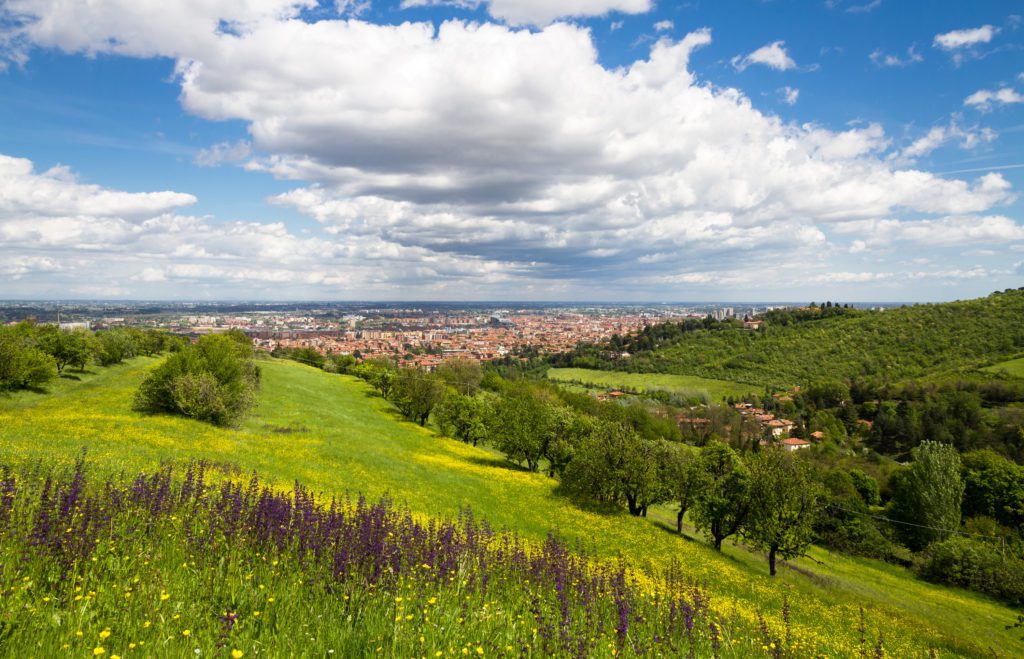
[
  {"x": 976, "y": 565},
  {"x": 214, "y": 380},
  {"x": 22, "y": 365}
]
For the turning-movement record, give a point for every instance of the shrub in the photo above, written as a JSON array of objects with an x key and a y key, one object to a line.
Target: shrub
[
  {"x": 22, "y": 365},
  {"x": 214, "y": 380},
  {"x": 976, "y": 565}
]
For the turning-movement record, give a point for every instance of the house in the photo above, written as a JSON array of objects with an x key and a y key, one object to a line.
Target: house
[
  {"x": 794, "y": 444},
  {"x": 818, "y": 435},
  {"x": 752, "y": 324},
  {"x": 780, "y": 427}
]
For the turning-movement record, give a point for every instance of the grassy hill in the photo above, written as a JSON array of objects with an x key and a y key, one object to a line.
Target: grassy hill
[
  {"x": 936, "y": 341},
  {"x": 331, "y": 434},
  {"x": 688, "y": 385},
  {"x": 1013, "y": 368}
]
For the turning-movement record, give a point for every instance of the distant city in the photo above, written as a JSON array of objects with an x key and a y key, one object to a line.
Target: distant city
[{"x": 415, "y": 333}]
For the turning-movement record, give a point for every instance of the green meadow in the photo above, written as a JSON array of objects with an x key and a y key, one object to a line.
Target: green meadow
[
  {"x": 1013, "y": 367},
  {"x": 331, "y": 434},
  {"x": 716, "y": 389}
]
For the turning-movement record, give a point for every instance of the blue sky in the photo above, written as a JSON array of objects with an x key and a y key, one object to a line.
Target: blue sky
[{"x": 516, "y": 149}]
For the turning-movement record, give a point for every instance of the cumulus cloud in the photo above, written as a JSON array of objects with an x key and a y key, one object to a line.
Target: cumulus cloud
[
  {"x": 965, "y": 38},
  {"x": 223, "y": 152},
  {"x": 985, "y": 99},
  {"x": 457, "y": 155},
  {"x": 938, "y": 136},
  {"x": 882, "y": 59},
  {"x": 789, "y": 95},
  {"x": 773, "y": 55},
  {"x": 541, "y": 12}
]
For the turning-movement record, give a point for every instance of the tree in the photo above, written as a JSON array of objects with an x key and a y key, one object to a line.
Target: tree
[
  {"x": 463, "y": 375},
  {"x": 520, "y": 425},
  {"x": 380, "y": 372},
  {"x": 614, "y": 464},
  {"x": 66, "y": 348},
  {"x": 683, "y": 478},
  {"x": 416, "y": 393},
  {"x": 993, "y": 487},
  {"x": 463, "y": 417},
  {"x": 722, "y": 505},
  {"x": 784, "y": 498},
  {"x": 928, "y": 495}
]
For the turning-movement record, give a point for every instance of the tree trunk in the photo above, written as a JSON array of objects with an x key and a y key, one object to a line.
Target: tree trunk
[
  {"x": 679, "y": 521},
  {"x": 718, "y": 542},
  {"x": 771, "y": 560},
  {"x": 634, "y": 509},
  {"x": 643, "y": 511}
]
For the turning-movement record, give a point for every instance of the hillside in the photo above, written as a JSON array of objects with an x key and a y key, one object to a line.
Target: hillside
[
  {"x": 920, "y": 341},
  {"x": 331, "y": 434}
]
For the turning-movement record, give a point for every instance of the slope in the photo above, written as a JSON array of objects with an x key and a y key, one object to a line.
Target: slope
[{"x": 330, "y": 433}]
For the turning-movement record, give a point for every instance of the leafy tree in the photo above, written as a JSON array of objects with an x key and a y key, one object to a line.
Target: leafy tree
[
  {"x": 520, "y": 425},
  {"x": 22, "y": 365},
  {"x": 867, "y": 487},
  {"x": 381, "y": 373},
  {"x": 928, "y": 495},
  {"x": 66, "y": 348},
  {"x": 614, "y": 465},
  {"x": 784, "y": 499},
  {"x": 463, "y": 417},
  {"x": 683, "y": 477},
  {"x": 463, "y": 375},
  {"x": 993, "y": 487},
  {"x": 722, "y": 505},
  {"x": 416, "y": 393}
]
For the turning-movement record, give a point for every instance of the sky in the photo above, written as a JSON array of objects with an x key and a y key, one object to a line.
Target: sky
[{"x": 590, "y": 150}]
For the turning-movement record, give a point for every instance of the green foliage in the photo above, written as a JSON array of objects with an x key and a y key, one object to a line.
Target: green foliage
[
  {"x": 722, "y": 505},
  {"x": 463, "y": 375},
  {"x": 993, "y": 487},
  {"x": 214, "y": 380},
  {"x": 801, "y": 347},
  {"x": 974, "y": 564},
  {"x": 113, "y": 346},
  {"x": 521, "y": 425},
  {"x": 463, "y": 417},
  {"x": 867, "y": 487},
  {"x": 416, "y": 393},
  {"x": 784, "y": 503},
  {"x": 67, "y": 348},
  {"x": 928, "y": 495},
  {"x": 683, "y": 477},
  {"x": 22, "y": 364},
  {"x": 381, "y": 373}
]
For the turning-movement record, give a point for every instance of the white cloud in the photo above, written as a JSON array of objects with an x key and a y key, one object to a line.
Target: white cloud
[
  {"x": 881, "y": 59},
  {"x": 664, "y": 26},
  {"x": 27, "y": 193},
  {"x": 541, "y": 12},
  {"x": 984, "y": 99},
  {"x": 965, "y": 38},
  {"x": 773, "y": 56},
  {"x": 460, "y": 157},
  {"x": 789, "y": 95},
  {"x": 938, "y": 136},
  {"x": 224, "y": 152},
  {"x": 948, "y": 231},
  {"x": 352, "y": 7}
]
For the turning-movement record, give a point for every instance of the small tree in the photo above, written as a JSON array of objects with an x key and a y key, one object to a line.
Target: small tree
[
  {"x": 66, "y": 348},
  {"x": 784, "y": 499},
  {"x": 928, "y": 495},
  {"x": 520, "y": 426},
  {"x": 463, "y": 375},
  {"x": 416, "y": 393},
  {"x": 463, "y": 417},
  {"x": 683, "y": 478},
  {"x": 722, "y": 505}
]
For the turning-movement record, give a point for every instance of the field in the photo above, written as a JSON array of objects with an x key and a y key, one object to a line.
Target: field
[
  {"x": 331, "y": 434},
  {"x": 716, "y": 389},
  {"x": 1014, "y": 367}
]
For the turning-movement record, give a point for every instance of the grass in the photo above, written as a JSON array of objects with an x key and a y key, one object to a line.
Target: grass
[
  {"x": 330, "y": 433},
  {"x": 1014, "y": 367},
  {"x": 716, "y": 389}
]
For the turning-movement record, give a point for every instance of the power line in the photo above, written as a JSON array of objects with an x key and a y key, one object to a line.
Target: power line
[{"x": 920, "y": 526}]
